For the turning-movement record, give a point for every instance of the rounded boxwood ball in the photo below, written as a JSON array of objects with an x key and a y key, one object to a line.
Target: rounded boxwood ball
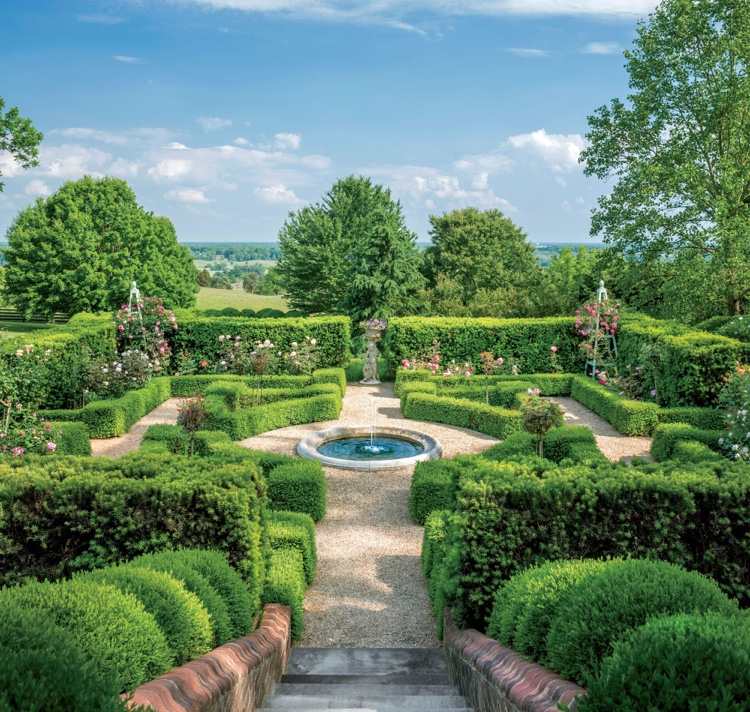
[
  {"x": 42, "y": 669},
  {"x": 109, "y": 626}
]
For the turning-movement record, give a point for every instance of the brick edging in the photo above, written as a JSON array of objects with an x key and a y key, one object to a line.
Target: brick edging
[
  {"x": 235, "y": 677},
  {"x": 494, "y": 678}
]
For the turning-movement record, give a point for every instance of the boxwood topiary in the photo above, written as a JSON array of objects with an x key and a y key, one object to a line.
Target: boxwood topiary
[
  {"x": 676, "y": 663},
  {"x": 603, "y": 607},
  {"x": 525, "y": 606},
  {"x": 227, "y": 583},
  {"x": 173, "y": 564},
  {"x": 109, "y": 626},
  {"x": 298, "y": 486},
  {"x": 179, "y": 613},
  {"x": 43, "y": 669}
]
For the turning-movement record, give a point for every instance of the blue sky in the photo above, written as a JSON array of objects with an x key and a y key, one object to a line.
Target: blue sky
[{"x": 226, "y": 114}]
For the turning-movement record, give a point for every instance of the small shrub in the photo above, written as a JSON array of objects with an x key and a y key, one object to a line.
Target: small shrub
[
  {"x": 179, "y": 613},
  {"x": 606, "y": 605},
  {"x": 43, "y": 669},
  {"x": 676, "y": 663},
  {"x": 298, "y": 486},
  {"x": 539, "y": 417},
  {"x": 294, "y": 530},
  {"x": 286, "y": 584},
  {"x": 110, "y": 627},
  {"x": 177, "y": 567}
]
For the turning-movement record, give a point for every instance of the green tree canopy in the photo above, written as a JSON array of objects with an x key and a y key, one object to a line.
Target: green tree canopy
[
  {"x": 679, "y": 148},
  {"x": 351, "y": 253},
  {"x": 79, "y": 249},
  {"x": 570, "y": 279},
  {"x": 18, "y": 137},
  {"x": 481, "y": 261}
]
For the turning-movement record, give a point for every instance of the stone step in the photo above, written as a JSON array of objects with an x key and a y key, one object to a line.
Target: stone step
[
  {"x": 388, "y": 678},
  {"x": 366, "y": 661},
  {"x": 362, "y": 690},
  {"x": 386, "y": 703}
]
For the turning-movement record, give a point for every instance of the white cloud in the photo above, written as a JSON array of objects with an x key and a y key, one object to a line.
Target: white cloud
[
  {"x": 192, "y": 196},
  {"x": 277, "y": 194},
  {"x": 170, "y": 169},
  {"x": 239, "y": 141},
  {"x": 494, "y": 162},
  {"x": 9, "y": 166},
  {"x": 37, "y": 188},
  {"x": 83, "y": 134},
  {"x": 430, "y": 187},
  {"x": 561, "y": 151},
  {"x": 100, "y": 19},
  {"x": 287, "y": 141},
  {"x": 529, "y": 52},
  {"x": 400, "y": 15},
  {"x": 602, "y": 48},
  {"x": 122, "y": 168},
  {"x": 70, "y": 161},
  {"x": 213, "y": 123},
  {"x": 177, "y": 146},
  {"x": 127, "y": 59}
]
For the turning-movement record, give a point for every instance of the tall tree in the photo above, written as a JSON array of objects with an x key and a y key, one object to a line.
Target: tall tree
[
  {"x": 482, "y": 258},
  {"x": 351, "y": 254},
  {"x": 679, "y": 147},
  {"x": 79, "y": 250},
  {"x": 18, "y": 138}
]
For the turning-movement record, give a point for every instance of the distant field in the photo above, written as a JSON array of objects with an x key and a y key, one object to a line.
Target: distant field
[
  {"x": 209, "y": 298},
  {"x": 9, "y": 329}
]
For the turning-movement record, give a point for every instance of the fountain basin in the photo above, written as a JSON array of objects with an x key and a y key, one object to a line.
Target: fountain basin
[{"x": 357, "y": 448}]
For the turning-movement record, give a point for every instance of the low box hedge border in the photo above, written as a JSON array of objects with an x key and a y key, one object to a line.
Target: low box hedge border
[{"x": 668, "y": 436}]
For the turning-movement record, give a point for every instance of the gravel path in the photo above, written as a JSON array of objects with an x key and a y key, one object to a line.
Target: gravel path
[
  {"x": 369, "y": 590},
  {"x": 165, "y": 414},
  {"x": 614, "y": 445}
]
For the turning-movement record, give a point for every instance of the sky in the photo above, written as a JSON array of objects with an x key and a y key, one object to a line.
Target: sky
[{"x": 225, "y": 115}]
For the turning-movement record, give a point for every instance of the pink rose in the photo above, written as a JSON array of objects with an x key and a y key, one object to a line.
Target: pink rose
[
  {"x": 51, "y": 447},
  {"x": 553, "y": 349}
]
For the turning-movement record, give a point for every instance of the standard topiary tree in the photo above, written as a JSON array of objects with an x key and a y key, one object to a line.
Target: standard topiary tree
[
  {"x": 676, "y": 663},
  {"x": 605, "y": 606},
  {"x": 79, "y": 250},
  {"x": 350, "y": 254}
]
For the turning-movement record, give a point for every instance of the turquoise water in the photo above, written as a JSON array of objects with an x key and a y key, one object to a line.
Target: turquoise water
[{"x": 382, "y": 447}]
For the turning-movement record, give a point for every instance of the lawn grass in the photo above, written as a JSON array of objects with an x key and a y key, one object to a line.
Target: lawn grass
[
  {"x": 210, "y": 298},
  {"x": 9, "y": 329}
]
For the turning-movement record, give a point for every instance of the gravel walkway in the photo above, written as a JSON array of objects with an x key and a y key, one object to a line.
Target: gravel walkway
[
  {"x": 614, "y": 445},
  {"x": 165, "y": 414},
  {"x": 369, "y": 591}
]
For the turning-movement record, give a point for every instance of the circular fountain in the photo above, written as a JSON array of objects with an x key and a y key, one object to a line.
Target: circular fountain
[{"x": 369, "y": 448}]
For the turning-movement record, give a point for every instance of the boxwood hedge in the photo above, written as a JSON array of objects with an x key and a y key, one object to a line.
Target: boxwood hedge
[
  {"x": 286, "y": 584},
  {"x": 298, "y": 486},
  {"x": 295, "y": 530},
  {"x": 508, "y": 516}
]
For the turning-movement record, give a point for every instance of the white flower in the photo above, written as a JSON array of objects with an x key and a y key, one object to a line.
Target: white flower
[
  {"x": 221, "y": 337},
  {"x": 313, "y": 341}
]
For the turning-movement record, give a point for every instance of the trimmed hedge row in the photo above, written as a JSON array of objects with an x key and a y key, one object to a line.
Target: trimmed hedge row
[
  {"x": 568, "y": 615},
  {"x": 668, "y": 437},
  {"x": 196, "y": 385},
  {"x": 463, "y": 339},
  {"x": 286, "y": 584},
  {"x": 62, "y": 515},
  {"x": 114, "y": 417},
  {"x": 629, "y": 417},
  {"x": 509, "y": 516},
  {"x": 688, "y": 367},
  {"x": 199, "y": 336},
  {"x": 488, "y": 419},
  {"x": 294, "y": 530}
]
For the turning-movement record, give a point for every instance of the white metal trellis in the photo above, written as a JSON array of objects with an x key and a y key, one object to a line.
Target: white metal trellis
[{"x": 610, "y": 342}]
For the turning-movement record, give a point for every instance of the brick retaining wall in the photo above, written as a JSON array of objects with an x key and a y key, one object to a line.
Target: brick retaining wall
[
  {"x": 496, "y": 679},
  {"x": 235, "y": 677}
]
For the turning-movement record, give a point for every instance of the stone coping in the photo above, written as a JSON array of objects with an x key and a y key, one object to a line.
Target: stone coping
[
  {"x": 496, "y": 679},
  {"x": 308, "y": 447},
  {"x": 235, "y": 677}
]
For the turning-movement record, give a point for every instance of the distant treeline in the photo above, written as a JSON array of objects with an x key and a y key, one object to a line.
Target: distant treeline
[{"x": 234, "y": 251}]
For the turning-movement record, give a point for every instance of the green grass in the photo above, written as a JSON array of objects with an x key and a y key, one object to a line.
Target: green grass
[
  {"x": 12, "y": 329},
  {"x": 209, "y": 298}
]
